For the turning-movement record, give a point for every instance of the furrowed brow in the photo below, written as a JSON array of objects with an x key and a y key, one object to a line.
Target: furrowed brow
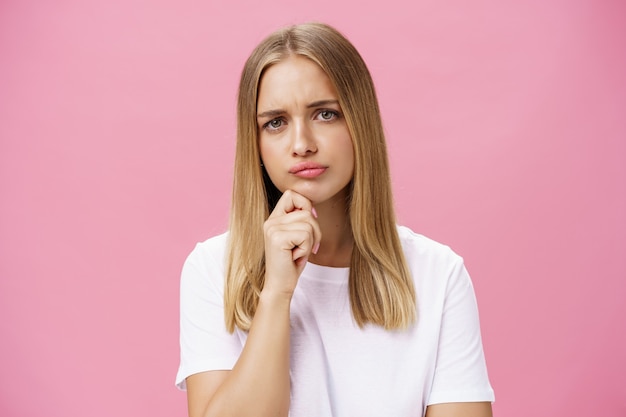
[
  {"x": 270, "y": 113},
  {"x": 322, "y": 103},
  {"x": 279, "y": 112}
]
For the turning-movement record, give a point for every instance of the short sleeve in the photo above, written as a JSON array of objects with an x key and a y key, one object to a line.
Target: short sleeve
[
  {"x": 460, "y": 370},
  {"x": 205, "y": 344}
]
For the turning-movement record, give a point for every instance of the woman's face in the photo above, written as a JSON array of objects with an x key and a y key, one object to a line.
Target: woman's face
[{"x": 303, "y": 137}]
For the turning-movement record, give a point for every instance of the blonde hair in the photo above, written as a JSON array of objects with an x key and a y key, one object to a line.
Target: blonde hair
[{"x": 380, "y": 285}]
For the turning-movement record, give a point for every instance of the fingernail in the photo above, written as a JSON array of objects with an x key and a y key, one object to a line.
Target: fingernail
[
  {"x": 316, "y": 248},
  {"x": 314, "y": 212}
]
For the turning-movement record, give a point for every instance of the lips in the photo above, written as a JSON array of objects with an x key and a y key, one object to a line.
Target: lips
[{"x": 307, "y": 170}]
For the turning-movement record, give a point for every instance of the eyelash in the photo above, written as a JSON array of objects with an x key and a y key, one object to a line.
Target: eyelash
[
  {"x": 334, "y": 115},
  {"x": 267, "y": 126}
]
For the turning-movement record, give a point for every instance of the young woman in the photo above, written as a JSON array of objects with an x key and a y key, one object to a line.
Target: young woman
[{"x": 316, "y": 303}]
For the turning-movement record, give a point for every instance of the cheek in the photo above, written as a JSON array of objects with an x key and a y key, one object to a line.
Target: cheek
[
  {"x": 270, "y": 147},
  {"x": 269, "y": 159},
  {"x": 265, "y": 152}
]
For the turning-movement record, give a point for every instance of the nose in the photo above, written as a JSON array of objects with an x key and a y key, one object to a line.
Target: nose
[{"x": 303, "y": 141}]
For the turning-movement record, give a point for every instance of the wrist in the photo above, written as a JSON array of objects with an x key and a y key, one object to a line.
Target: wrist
[{"x": 274, "y": 297}]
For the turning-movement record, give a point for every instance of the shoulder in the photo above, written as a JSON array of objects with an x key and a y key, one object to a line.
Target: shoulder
[
  {"x": 421, "y": 249},
  {"x": 210, "y": 250},
  {"x": 435, "y": 267},
  {"x": 207, "y": 259}
]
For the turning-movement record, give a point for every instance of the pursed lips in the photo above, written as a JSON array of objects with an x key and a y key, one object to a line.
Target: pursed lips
[{"x": 307, "y": 169}]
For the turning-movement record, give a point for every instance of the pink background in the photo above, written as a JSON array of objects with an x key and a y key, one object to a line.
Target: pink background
[{"x": 506, "y": 124}]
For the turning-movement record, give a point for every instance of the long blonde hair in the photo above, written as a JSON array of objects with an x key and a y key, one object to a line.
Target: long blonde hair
[{"x": 380, "y": 285}]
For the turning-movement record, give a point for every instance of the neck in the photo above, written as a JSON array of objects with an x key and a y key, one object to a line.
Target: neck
[{"x": 336, "y": 245}]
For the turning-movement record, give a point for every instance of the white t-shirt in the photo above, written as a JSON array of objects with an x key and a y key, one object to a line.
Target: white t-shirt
[{"x": 337, "y": 368}]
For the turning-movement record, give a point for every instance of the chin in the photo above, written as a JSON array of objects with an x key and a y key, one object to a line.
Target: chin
[
  {"x": 311, "y": 196},
  {"x": 317, "y": 198},
  {"x": 318, "y": 194}
]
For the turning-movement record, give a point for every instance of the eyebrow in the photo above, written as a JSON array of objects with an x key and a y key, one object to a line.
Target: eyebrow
[{"x": 278, "y": 112}]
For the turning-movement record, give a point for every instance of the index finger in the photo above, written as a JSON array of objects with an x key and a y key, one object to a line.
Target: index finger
[{"x": 291, "y": 201}]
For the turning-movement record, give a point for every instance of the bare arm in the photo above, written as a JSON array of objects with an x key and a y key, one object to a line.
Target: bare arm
[
  {"x": 258, "y": 384},
  {"x": 478, "y": 409}
]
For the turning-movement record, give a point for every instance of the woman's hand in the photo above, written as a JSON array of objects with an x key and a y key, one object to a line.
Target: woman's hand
[
  {"x": 291, "y": 234},
  {"x": 258, "y": 384}
]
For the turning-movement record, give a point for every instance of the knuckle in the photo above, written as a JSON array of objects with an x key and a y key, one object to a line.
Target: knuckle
[{"x": 275, "y": 238}]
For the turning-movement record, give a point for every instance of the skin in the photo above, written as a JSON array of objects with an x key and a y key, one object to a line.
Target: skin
[
  {"x": 299, "y": 120},
  {"x": 478, "y": 409}
]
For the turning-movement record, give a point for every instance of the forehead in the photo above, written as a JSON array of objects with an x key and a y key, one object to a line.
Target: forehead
[{"x": 293, "y": 81}]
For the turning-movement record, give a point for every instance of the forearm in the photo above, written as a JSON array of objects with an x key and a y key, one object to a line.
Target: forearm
[{"x": 258, "y": 385}]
